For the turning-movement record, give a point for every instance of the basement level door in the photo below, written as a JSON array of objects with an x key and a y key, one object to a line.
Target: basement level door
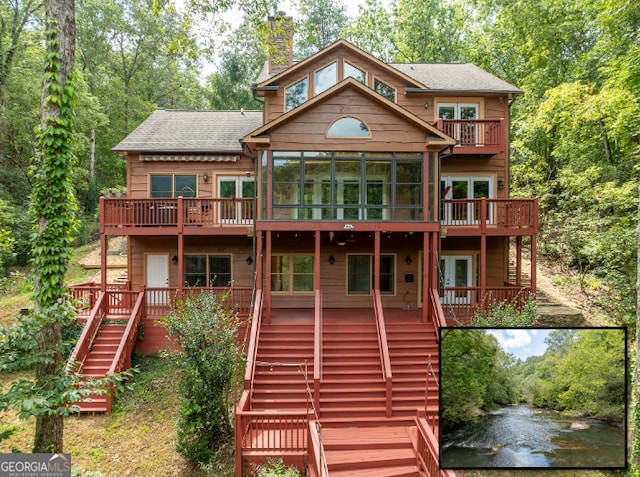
[
  {"x": 157, "y": 270},
  {"x": 455, "y": 272}
]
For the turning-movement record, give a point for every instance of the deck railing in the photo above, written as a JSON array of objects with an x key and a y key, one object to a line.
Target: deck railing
[
  {"x": 89, "y": 333},
  {"x": 179, "y": 212},
  {"x": 385, "y": 360},
  {"x": 487, "y": 213},
  {"x": 276, "y": 432},
  {"x": 474, "y": 136},
  {"x": 428, "y": 451},
  {"x": 252, "y": 349},
  {"x": 464, "y": 301}
]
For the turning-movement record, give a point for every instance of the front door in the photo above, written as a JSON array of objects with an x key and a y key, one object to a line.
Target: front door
[
  {"x": 157, "y": 270},
  {"x": 456, "y": 278}
]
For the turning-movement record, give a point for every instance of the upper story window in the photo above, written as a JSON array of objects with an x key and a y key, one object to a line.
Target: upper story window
[
  {"x": 348, "y": 127},
  {"x": 353, "y": 72},
  {"x": 461, "y": 125},
  {"x": 173, "y": 185},
  {"x": 384, "y": 90},
  {"x": 325, "y": 78},
  {"x": 296, "y": 94}
]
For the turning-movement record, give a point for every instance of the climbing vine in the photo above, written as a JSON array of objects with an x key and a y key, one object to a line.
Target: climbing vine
[{"x": 53, "y": 202}]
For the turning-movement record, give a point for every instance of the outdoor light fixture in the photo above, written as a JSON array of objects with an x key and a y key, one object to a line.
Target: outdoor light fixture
[
  {"x": 408, "y": 260},
  {"x": 205, "y": 177},
  {"x": 249, "y": 260},
  {"x": 174, "y": 259},
  {"x": 332, "y": 259},
  {"x": 342, "y": 240},
  {"x": 500, "y": 185}
]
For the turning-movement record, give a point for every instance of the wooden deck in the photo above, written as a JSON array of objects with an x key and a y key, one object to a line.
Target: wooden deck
[{"x": 351, "y": 401}]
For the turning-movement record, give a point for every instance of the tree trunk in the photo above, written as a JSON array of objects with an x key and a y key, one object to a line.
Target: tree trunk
[
  {"x": 92, "y": 162},
  {"x": 60, "y": 28}
]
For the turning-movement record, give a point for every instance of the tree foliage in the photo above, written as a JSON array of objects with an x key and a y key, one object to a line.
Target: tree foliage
[
  {"x": 204, "y": 331},
  {"x": 582, "y": 372}
]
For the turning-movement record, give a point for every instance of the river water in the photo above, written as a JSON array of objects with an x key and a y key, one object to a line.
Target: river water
[{"x": 520, "y": 436}]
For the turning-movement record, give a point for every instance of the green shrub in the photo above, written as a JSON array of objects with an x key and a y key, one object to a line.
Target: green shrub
[
  {"x": 209, "y": 359},
  {"x": 506, "y": 314},
  {"x": 275, "y": 468}
]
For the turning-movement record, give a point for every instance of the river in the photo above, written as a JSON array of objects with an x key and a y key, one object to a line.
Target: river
[{"x": 521, "y": 436}]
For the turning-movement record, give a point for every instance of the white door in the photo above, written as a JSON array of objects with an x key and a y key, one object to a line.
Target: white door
[
  {"x": 157, "y": 269},
  {"x": 456, "y": 273},
  {"x": 232, "y": 211}
]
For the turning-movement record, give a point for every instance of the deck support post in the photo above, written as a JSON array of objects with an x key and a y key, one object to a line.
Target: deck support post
[
  {"x": 267, "y": 288},
  {"x": 426, "y": 274},
  {"x": 104, "y": 248},
  {"x": 483, "y": 271},
  {"x": 376, "y": 261},
  {"x": 259, "y": 258},
  {"x": 533, "y": 263},
  {"x": 180, "y": 265},
  {"x": 518, "y": 261}
]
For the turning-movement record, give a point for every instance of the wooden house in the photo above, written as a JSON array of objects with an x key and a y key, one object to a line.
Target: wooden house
[{"x": 365, "y": 207}]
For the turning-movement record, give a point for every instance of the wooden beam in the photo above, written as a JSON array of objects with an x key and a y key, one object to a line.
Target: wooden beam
[
  {"x": 104, "y": 248},
  {"x": 518, "y": 261},
  {"x": 180, "y": 265},
  {"x": 426, "y": 282},
  {"x": 267, "y": 288},
  {"x": 376, "y": 261},
  {"x": 259, "y": 261}
]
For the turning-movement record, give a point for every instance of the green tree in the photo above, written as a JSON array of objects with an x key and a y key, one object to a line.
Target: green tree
[
  {"x": 242, "y": 58},
  {"x": 321, "y": 24},
  {"x": 373, "y": 30},
  {"x": 204, "y": 331},
  {"x": 430, "y": 31}
]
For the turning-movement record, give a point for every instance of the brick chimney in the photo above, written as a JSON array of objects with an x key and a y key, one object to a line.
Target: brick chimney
[{"x": 280, "y": 42}]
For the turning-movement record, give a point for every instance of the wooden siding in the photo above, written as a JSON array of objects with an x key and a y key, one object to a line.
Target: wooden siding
[
  {"x": 496, "y": 256},
  {"x": 239, "y": 247},
  {"x": 389, "y": 132},
  {"x": 274, "y": 104},
  {"x": 138, "y": 173}
]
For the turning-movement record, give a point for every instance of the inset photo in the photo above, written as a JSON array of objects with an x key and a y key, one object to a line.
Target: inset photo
[{"x": 533, "y": 398}]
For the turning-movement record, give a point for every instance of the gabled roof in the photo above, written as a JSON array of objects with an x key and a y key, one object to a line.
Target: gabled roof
[
  {"x": 436, "y": 77},
  {"x": 260, "y": 135},
  {"x": 456, "y": 77},
  {"x": 191, "y": 132},
  {"x": 263, "y": 80}
]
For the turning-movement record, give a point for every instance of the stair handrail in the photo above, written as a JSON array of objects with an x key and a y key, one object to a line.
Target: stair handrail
[
  {"x": 437, "y": 312},
  {"x": 122, "y": 358},
  {"x": 431, "y": 376},
  {"x": 317, "y": 348},
  {"x": 385, "y": 360},
  {"x": 89, "y": 333},
  {"x": 317, "y": 455},
  {"x": 252, "y": 351}
]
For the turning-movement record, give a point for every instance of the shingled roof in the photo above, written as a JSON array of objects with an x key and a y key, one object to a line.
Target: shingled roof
[
  {"x": 191, "y": 132},
  {"x": 455, "y": 77}
]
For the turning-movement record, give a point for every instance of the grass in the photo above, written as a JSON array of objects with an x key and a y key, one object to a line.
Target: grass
[{"x": 135, "y": 440}]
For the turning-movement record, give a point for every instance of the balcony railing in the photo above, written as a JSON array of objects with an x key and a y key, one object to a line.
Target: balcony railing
[
  {"x": 474, "y": 136},
  {"x": 486, "y": 213},
  {"x": 177, "y": 212},
  {"x": 463, "y": 302}
]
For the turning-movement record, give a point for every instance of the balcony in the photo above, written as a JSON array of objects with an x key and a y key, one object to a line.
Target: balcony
[
  {"x": 489, "y": 216},
  {"x": 474, "y": 137},
  {"x": 198, "y": 215}
]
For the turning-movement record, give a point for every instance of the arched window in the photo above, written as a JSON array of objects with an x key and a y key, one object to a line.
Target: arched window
[{"x": 348, "y": 127}]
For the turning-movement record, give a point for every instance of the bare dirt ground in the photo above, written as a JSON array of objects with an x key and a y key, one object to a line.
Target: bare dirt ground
[{"x": 116, "y": 260}]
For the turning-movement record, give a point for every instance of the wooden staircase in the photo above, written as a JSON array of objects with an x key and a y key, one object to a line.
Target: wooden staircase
[
  {"x": 352, "y": 387},
  {"x": 412, "y": 349},
  {"x": 98, "y": 362},
  {"x": 285, "y": 352},
  {"x": 358, "y": 438}
]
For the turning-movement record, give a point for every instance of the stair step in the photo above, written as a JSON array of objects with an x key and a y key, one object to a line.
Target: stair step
[
  {"x": 368, "y": 459},
  {"x": 389, "y": 471}
]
